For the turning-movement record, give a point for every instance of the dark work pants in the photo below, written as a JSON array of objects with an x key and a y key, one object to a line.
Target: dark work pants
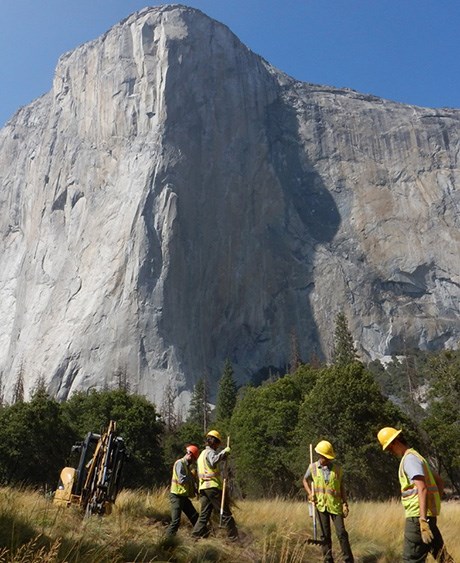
[
  {"x": 180, "y": 504},
  {"x": 324, "y": 528},
  {"x": 415, "y": 551},
  {"x": 210, "y": 499}
]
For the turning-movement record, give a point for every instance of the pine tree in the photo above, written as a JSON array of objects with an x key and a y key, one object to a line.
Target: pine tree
[
  {"x": 345, "y": 352},
  {"x": 18, "y": 391},
  {"x": 443, "y": 420},
  {"x": 263, "y": 421},
  {"x": 346, "y": 407},
  {"x": 2, "y": 390},
  {"x": 121, "y": 378},
  {"x": 315, "y": 361},
  {"x": 226, "y": 395},
  {"x": 168, "y": 407},
  {"x": 39, "y": 388},
  {"x": 295, "y": 360},
  {"x": 199, "y": 410}
]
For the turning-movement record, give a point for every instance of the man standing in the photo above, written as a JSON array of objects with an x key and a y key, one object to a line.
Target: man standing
[
  {"x": 327, "y": 493},
  {"x": 421, "y": 490},
  {"x": 183, "y": 488},
  {"x": 210, "y": 488}
]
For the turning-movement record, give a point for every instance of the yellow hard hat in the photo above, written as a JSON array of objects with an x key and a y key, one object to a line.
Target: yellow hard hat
[
  {"x": 215, "y": 434},
  {"x": 325, "y": 449},
  {"x": 387, "y": 435}
]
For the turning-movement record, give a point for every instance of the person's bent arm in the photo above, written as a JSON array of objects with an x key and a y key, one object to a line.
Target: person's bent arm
[
  {"x": 181, "y": 472},
  {"x": 306, "y": 487},
  {"x": 425, "y": 530},
  {"x": 419, "y": 482},
  {"x": 215, "y": 457}
]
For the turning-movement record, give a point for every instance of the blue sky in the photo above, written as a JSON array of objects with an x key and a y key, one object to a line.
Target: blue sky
[{"x": 403, "y": 50}]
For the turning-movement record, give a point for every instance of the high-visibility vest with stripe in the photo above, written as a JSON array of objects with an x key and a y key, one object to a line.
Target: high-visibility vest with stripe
[
  {"x": 208, "y": 477},
  {"x": 409, "y": 494},
  {"x": 182, "y": 489},
  {"x": 328, "y": 495}
]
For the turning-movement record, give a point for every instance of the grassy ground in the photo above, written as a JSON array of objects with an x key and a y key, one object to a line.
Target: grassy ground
[{"x": 33, "y": 530}]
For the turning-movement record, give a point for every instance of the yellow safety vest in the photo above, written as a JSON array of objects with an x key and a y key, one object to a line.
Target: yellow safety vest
[
  {"x": 328, "y": 495},
  {"x": 208, "y": 477},
  {"x": 182, "y": 489},
  {"x": 409, "y": 494}
]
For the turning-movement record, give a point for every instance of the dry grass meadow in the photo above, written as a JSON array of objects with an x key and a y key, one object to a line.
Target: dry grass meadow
[{"x": 33, "y": 530}]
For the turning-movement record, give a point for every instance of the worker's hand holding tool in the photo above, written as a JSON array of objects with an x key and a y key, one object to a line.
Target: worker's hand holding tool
[
  {"x": 312, "y": 498},
  {"x": 425, "y": 531},
  {"x": 345, "y": 509},
  {"x": 227, "y": 450}
]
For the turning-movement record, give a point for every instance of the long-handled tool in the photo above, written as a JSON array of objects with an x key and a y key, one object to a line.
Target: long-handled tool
[
  {"x": 312, "y": 508},
  {"x": 224, "y": 487}
]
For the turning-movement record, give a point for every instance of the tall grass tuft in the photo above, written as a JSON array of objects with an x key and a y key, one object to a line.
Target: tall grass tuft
[
  {"x": 34, "y": 530},
  {"x": 31, "y": 552}
]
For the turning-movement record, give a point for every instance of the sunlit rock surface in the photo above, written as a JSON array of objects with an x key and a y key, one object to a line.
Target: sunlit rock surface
[{"x": 174, "y": 201}]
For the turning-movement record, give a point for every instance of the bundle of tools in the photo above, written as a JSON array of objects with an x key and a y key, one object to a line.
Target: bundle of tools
[{"x": 95, "y": 481}]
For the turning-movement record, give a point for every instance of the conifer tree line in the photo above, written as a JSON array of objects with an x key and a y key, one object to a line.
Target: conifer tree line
[{"x": 271, "y": 424}]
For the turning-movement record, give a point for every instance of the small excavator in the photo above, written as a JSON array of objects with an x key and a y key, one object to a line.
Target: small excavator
[{"x": 94, "y": 482}]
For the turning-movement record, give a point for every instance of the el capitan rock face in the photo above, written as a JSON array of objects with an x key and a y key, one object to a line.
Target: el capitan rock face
[{"x": 175, "y": 201}]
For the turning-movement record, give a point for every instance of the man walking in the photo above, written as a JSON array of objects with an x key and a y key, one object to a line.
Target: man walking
[
  {"x": 210, "y": 488},
  {"x": 183, "y": 488},
  {"x": 323, "y": 482},
  {"x": 421, "y": 490}
]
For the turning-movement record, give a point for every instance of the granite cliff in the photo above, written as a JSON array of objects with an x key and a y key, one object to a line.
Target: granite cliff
[{"x": 174, "y": 201}]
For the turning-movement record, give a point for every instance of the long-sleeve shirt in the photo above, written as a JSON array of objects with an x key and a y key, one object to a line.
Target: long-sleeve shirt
[
  {"x": 214, "y": 457},
  {"x": 183, "y": 481},
  {"x": 183, "y": 471}
]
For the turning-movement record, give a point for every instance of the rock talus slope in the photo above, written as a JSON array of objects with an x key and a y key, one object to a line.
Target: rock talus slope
[{"x": 174, "y": 201}]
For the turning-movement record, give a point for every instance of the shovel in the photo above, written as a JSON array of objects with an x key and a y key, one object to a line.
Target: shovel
[
  {"x": 312, "y": 510},
  {"x": 224, "y": 488}
]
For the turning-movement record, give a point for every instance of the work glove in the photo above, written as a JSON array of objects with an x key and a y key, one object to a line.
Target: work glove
[
  {"x": 227, "y": 450},
  {"x": 345, "y": 509},
  {"x": 425, "y": 531}
]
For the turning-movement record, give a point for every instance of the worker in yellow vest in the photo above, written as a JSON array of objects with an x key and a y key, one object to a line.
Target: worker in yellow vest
[
  {"x": 183, "y": 488},
  {"x": 421, "y": 490},
  {"x": 323, "y": 482},
  {"x": 210, "y": 488}
]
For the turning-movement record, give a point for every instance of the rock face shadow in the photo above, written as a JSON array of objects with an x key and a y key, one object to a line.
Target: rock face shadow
[
  {"x": 301, "y": 183},
  {"x": 250, "y": 211},
  {"x": 311, "y": 215},
  {"x": 248, "y": 234}
]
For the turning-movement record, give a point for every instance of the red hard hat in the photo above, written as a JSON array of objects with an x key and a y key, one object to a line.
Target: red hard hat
[{"x": 193, "y": 450}]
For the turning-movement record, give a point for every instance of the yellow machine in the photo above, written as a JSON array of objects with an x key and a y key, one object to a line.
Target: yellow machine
[{"x": 95, "y": 482}]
